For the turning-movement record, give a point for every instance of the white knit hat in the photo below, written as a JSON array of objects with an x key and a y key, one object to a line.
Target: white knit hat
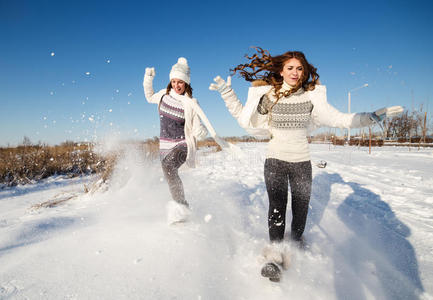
[{"x": 181, "y": 70}]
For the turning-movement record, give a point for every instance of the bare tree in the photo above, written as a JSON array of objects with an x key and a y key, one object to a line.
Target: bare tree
[{"x": 407, "y": 125}]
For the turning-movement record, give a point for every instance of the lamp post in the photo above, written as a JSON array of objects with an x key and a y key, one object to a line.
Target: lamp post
[{"x": 348, "y": 106}]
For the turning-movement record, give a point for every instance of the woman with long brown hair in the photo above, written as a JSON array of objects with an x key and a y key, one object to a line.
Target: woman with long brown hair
[{"x": 284, "y": 102}]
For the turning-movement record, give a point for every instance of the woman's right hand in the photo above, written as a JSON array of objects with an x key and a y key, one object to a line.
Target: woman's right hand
[
  {"x": 149, "y": 72},
  {"x": 220, "y": 85}
]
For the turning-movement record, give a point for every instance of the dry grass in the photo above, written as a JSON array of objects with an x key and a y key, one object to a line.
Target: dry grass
[
  {"x": 209, "y": 143},
  {"x": 30, "y": 163},
  {"x": 27, "y": 163},
  {"x": 54, "y": 202}
]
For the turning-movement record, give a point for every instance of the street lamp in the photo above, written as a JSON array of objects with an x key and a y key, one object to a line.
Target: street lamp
[{"x": 348, "y": 106}]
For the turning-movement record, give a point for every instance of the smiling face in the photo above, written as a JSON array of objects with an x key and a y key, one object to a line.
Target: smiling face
[
  {"x": 178, "y": 86},
  {"x": 292, "y": 71}
]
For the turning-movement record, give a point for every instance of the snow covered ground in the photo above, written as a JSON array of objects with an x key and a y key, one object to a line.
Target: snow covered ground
[{"x": 369, "y": 231}]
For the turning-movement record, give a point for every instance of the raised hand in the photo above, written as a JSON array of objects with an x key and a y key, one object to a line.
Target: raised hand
[
  {"x": 388, "y": 112},
  {"x": 150, "y": 72},
  {"x": 380, "y": 114},
  {"x": 220, "y": 85}
]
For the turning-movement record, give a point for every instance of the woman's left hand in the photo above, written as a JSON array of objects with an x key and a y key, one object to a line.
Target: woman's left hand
[{"x": 380, "y": 114}]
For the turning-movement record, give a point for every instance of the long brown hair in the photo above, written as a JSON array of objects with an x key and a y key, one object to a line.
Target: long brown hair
[
  {"x": 263, "y": 66},
  {"x": 188, "y": 89}
]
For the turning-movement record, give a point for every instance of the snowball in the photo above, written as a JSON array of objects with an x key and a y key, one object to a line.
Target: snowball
[{"x": 207, "y": 218}]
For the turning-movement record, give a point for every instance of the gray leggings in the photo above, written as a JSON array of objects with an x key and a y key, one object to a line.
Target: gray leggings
[
  {"x": 278, "y": 174},
  {"x": 170, "y": 165}
]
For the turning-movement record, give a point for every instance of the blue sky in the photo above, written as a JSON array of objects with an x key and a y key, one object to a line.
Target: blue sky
[{"x": 73, "y": 70}]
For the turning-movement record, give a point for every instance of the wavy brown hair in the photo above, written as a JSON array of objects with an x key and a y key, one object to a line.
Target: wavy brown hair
[
  {"x": 263, "y": 66},
  {"x": 188, "y": 89}
]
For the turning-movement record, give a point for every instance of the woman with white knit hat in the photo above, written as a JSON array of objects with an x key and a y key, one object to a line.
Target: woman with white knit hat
[{"x": 180, "y": 127}]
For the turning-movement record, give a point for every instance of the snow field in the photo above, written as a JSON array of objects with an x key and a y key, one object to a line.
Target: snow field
[{"x": 369, "y": 232}]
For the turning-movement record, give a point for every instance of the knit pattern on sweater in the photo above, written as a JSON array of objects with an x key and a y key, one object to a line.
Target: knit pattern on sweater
[
  {"x": 286, "y": 114},
  {"x": 289, "y": 118},
  {"x": 172, "y": 124}
]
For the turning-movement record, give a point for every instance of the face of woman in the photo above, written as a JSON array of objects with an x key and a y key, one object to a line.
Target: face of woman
[
  {"x": 178, "y": 86},
  {"x": 292, "y": 71}
]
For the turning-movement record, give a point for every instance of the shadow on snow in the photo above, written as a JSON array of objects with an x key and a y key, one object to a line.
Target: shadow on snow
[
  {"x": 378, "y": 255},
  {"x": 39, "y": 231}
]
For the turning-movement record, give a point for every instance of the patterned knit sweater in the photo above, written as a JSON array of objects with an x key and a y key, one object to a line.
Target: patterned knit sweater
[
  {"x": 288, "y": 123},
  {"x": 289, "y": 119},
  {"x": 172, "y": 124}
]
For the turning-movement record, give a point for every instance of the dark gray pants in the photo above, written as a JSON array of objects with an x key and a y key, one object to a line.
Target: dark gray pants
[
  {"x": 170, "y": 165},
  {"x": 278, "y": 174}
]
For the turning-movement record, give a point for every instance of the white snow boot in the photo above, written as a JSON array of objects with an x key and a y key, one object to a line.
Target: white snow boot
[
  {"x": 275, "y": 256},
  {"x": 177, "y": 213},
  {"x": 277, "y": 253}
]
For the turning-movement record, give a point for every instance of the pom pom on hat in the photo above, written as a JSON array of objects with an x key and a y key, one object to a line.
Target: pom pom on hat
[
  {"x": 181, "y": 70},
  {"x": 182, "y": 60}
]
